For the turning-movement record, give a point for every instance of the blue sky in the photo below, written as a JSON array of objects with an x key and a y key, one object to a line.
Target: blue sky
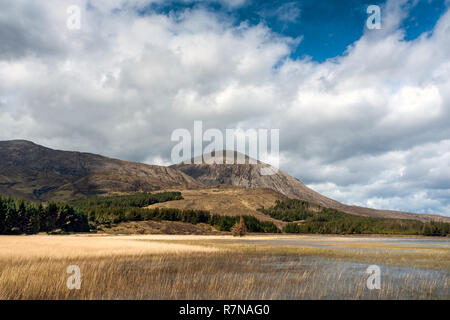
[{"x": 326, "y": 27}]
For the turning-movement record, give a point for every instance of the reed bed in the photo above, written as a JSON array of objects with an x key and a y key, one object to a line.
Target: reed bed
[{"x": 196, "y": 272}]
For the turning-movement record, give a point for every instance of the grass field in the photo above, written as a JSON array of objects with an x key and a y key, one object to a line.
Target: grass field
[{"x": 222, "y": 267}]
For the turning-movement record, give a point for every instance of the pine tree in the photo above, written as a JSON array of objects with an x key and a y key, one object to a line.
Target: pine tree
[
  {"x": 12, "y": 218},
  {"x": 43, "y": 218},
  {"x": 22, "y": 217},
  {"x": 50, "y": 216},
  {"x": 32, "y": 226}
]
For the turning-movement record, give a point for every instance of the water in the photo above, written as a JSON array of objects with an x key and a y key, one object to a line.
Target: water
[
  {"x": 328, "y": 242},
  {"x": 333, "y": 279},
  {"x": 330, "y": 278}
]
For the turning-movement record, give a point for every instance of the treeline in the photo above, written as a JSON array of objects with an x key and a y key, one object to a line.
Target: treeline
[
  {"x": 115, "y": 209},
  {"x": 19, "y": 217},
  {"x": 289, "y": 210},
  {"x": 112, "y": 210},
  {"x": 135, "y": 200},
  {"x": 330, "y": 221},
  {"x": 222, "y": 223}
]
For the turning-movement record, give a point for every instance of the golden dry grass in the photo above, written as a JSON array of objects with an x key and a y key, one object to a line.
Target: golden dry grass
[
  {"x": 83, "y": 246},
  {"x": 205, "y": 267}
]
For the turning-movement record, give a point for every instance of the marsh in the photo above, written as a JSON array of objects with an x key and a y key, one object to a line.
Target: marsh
[{"x": 223, "y": 267}]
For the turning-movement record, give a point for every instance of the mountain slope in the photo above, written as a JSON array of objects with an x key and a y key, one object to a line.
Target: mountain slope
[
  {"x": 227, "y": 200},
  {"x": 249, "y": 175},
  {"x": 33, "y": 172}
]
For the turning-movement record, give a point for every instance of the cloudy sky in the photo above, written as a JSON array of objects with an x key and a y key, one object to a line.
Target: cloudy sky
[{"x": 364, "y": 115}]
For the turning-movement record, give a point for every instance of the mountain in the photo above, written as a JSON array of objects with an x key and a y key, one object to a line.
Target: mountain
[
  {"x": 34, "y": 172},
  {"x": 248, "y": 175}
]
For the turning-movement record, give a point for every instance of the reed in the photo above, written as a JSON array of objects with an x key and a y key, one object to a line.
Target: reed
[{"x": 127, "y": 268}]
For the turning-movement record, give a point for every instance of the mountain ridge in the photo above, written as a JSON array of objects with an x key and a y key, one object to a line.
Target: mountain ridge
[
  {"x": 248, "y": 175},
  {"x": 34, "y": 172}
]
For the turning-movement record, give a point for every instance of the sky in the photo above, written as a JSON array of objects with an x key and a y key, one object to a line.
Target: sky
[{"x": 363, "y": 113}]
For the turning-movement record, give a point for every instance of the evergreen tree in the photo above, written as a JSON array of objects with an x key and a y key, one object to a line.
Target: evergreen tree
[
  {"x": 50, "y": 216},
  {"x": 22, "y": 217},
  {"x": 32, "y": 226},
  {"x": 12, "y": 218},
  {"x": 43, "y": 218}
]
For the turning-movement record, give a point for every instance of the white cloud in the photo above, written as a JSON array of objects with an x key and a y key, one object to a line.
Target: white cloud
[{"x": 369, "y": 127}]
